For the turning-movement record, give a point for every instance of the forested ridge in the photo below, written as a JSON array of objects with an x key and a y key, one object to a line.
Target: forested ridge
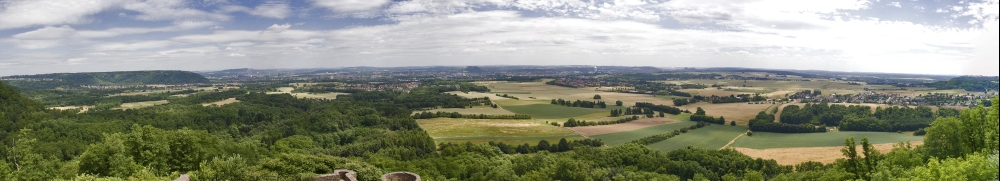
[
  {"x": 279, "y": 137},
  {"x": 969, "y": 83},
  {"x": 50, "y": 81}
]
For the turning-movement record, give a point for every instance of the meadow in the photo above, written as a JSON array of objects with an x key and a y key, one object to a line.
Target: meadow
[
  {"x": 136, "y": 105},
  {"x": 621, "y": 138},
  {"x": 762, "y": 140},
  {"x": 742, "y": 113},
  {"x": 549, "y": 111},
  {"x": 480, "y": 131},
  {"x": 712, "y": 137}
]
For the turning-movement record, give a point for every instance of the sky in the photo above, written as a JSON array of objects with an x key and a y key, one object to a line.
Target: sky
[{"x": 945, "y": 37}]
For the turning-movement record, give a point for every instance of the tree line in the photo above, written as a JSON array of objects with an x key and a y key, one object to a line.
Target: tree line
[
  {"x": 574, "y": 123},
  {"x": 861, "y": 118},
  {"x": 660, "y": 108},
  {"x": 579, "y": 103},
  {"x": 429, "y": 115}
]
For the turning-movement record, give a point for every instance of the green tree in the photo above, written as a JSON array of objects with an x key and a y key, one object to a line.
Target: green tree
[
  {"x": 619, "y": 103},
  {"x": 294, "y": 144},
  {"x": 943, "y": 140},
  {"x": 700, "y": 112},
  {"x": 564, "y": 145},
  {"x": 27, "y": 164},
  {"x": 543, "y": 146},
  {"x": 753, "y": 175},
  {"x": 597, "y": 96},
  {"x": 850, "y": 152},
  {"x": 972, "y": 167}
]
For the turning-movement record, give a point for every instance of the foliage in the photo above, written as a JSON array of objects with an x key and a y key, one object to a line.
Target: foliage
[
  {"x": 429, "y": 115},
  {"x": 579, "y": 103},
  {"x": 658, "y": 108},
  {"x": 574, "y": 123},
  {"x": 765, "y": 123}
]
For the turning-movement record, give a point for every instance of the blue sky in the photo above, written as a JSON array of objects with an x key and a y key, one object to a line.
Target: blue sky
[{"x": 898, "y": 36}]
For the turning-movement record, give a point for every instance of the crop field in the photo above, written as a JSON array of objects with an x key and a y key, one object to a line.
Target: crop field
[
  {"x": 742, "y": 113},
  {"x": 616, "y": 128},
  {"x": 549, "y": 111},
  {"x": 621, "y": 138},
  {"x": 793, "y": 156},
  {"x": 481, "y": 130},
  {"x": 761, "y": 140},
  {"x": 543, "y": 92},
  {"x": 136, "y": 105},
  {"x": 476, "y": 110},
  {"x": 711, "y": 137},
  {"x": 222, "y": 103}
]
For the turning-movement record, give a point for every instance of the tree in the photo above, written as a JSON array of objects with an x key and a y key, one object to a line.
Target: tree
[
  {"x": 619, "y": 103},
  {"x": 700, "y": 112},
  {"x": 850, "y": 151},
  {"x": 564, "y": 145},
  {"x": 597, "y": 96},
  {"x": 733, "y": 123},
  {"x": 543, "y": 146},
  {"x": 662, "y": 115}
]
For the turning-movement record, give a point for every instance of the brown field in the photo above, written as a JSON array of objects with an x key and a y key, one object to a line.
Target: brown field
[
  {"x": 222, "y": 103},
  {"x": 477, "y": 95},
  {"x": 136, "y": 105},
  {"x": 83, "y": 108},
  {"x": 634, "y": 125},
  {"x": 742, "y": 113},
  {"x": 792, "y": 156}
]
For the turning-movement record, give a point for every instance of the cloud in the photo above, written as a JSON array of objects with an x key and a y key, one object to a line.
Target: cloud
[
  {"x": 28, "y": 13},
  {"x": 267, "y": 10},
  {"x": 171, "y": 10},
  {"x": 276, "y": 28},
  {"x": 350, "y": 5},
  {"x": 895, "y": 4}
]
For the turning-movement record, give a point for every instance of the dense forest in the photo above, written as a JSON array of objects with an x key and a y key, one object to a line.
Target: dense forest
[
  {"x": 969, "y": 84},
  {"x": 52, "y": 81},
  {"x": 279, "y": 137}
]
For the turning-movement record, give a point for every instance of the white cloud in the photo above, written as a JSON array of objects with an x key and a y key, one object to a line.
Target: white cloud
[
  {"x": 276, "y": 28},
  {"x": 173, "y": 10},
  {"x": 47, "y": 33},
  {"x": 117, "y": 46},
  {"x": 350, "y": 5},
  {"x": 895, "y": 4},
  {"x": 267, "y": 10},
  {"x": 28, "y": 13}
]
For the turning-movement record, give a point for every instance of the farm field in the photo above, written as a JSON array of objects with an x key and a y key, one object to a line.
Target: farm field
[
  {"x": 630, "y": 126},
  {"x": 793, "y": 156},
  {"x": 710, "y": 137},
  {"x": 621, "y": 138},
  {"x": 549, "y": 111},
  {"x": 83, "y": 109},
  {"x": 221, "y": 103},
  {"x": 764, "y": 140},
  {"x": 492, "y": 96},
  {"x": 742, "y": 113},
  {"x": 482, "y": 130},
  {"x": 542, "y": 92},
  {"x": 138, "y": 93},
  {"x": 136, "y": 105}
]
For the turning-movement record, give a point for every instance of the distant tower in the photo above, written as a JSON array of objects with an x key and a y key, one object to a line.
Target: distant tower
[{"x": 595, "y": 69}]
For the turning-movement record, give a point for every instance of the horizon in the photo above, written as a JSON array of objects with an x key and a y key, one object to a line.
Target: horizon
[{"x": 862, "y": 36}]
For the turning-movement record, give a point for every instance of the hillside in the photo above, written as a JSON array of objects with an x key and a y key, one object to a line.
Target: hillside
[
  {"x": 13, "y": 105},
  {"x": 968, "y": 83},
  {"x": 44, "y": 81}
]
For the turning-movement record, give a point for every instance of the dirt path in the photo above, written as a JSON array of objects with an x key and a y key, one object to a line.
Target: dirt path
[{"x": 734, "y": 140}]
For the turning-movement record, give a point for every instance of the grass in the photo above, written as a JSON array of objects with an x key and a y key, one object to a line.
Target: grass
[
  {"x": 483, "y": 131},
  {"x": 711, "y": 137},
  {"x": 508, "y": 140},
  {"x": 469, "y": 128},
  {"x": 549, "y": 111},
  {"x": 616, "y": 139},
  {"x": 783, "y": 140}
]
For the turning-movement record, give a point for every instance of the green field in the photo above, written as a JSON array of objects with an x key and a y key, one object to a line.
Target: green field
[
  {"x": 711, "y": 137},
  {"x": 508, "y": 140},
  {"x": 616, "y": 139},
  {"x": 783, "y": 140},
  {"x": 549, "y": 111},
  {"x": 482, "y": 131}
]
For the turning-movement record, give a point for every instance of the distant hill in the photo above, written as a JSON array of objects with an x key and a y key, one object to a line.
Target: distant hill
[
  {"x": 106, "y": 78},
  {"x": 968, "y": 83},
  {"x": 13, "y": 105}
]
